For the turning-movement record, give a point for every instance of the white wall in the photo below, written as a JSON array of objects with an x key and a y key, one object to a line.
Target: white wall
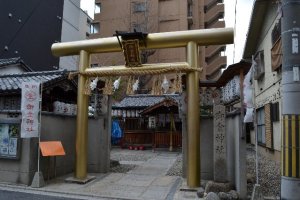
[
  {"x": 267, "y": 88},
  {"x": 11, "y": 70},
  {"x": 74, "y": 28}
]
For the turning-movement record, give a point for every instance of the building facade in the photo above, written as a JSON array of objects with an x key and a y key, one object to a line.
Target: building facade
[
  {"x": 263, "y": 45},
  {"x": 152, "y": 16},
  {"x": 32, "y": 26}
]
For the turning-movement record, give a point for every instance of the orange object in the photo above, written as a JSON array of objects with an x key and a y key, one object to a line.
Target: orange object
[{"x": 52, "y": 148}]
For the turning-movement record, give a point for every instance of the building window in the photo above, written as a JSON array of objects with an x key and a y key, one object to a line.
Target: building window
[
  {"x": 97, "y": 8},
  {"x": 88, "y": 22},
  {"x": 190, "y": 10},
  {"x": 260, "y": 118},
  {"x": 275, "y": 112},
  {"x": 276, "y": 32},
  {"x": 190, "y": 26},
  {"x": 95, "y": 28},
  {"x": 139, "y": 7}
]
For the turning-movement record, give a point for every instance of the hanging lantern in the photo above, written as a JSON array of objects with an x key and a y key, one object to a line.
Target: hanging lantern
[
  {"x": 117, "y": 83},
  {"x": 93, "y": 84},
  {"x": 132, "y": 113},
  {"x": 165, "y": 85},
  {"x": 151, "y": 122},
  {"x": 135, "y": 86},
  {"x": 128, "y": 113}
]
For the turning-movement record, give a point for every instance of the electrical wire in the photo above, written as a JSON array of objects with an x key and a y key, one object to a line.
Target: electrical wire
[
  {"x": 235, "y": 11},
  {"x": 20, "y": 28}
]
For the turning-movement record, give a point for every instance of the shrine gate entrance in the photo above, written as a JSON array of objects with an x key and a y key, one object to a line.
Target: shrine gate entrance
[{"x": 189, "y": 39}]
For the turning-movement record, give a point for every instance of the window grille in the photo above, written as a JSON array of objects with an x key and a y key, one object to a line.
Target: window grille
[
  {"x": 260, "y": 118},
  {"x": 276, "y": 32},
  {"x": 95, "y": 28}
]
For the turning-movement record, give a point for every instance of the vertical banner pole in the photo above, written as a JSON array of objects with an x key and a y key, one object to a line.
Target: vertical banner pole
[
  {"x": 38, "y": 179},
  {"x": 40, "y": 121}
]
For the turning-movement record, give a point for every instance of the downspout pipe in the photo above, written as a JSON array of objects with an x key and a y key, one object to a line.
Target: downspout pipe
[{"x": 290, "y": 148}]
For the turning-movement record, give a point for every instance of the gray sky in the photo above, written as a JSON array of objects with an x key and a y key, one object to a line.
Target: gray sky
[
  {"x": 89, "y": 6},
  {"x": 244, "y": 9},
  {"x": 243, "y": 14}
]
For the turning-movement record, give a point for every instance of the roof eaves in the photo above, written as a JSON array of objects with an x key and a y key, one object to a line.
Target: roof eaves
[
  {"x": 9, "y": 61},
  {"x": 26, "y": 67},
  {"x": 11, "y": 82},
  {"x": 255, "y": 27}
]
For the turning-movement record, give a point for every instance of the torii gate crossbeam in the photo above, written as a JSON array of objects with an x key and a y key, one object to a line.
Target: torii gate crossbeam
[{"x": 189, "y": 39}]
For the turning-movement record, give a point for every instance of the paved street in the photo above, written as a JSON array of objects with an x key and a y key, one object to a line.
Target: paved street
[
  {"x": 141, "y": 176},
  {"x": 13, "y": 195}
]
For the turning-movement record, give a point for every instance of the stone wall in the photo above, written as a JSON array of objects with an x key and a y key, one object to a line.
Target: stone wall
[
  {"x": 236, "y": 154},
  {"x": 62, "y": 128}
]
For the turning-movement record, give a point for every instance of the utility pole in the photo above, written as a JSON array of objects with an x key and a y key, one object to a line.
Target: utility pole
[{"x": 290, "y": 152}]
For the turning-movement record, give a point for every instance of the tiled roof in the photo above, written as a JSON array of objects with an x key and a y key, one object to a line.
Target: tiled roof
[
  {"x": 13, "y": 61},
  {"x": 143, "y": 100},
  {"x": 12, "y": 82},
  {"x": 9, "y": 61}
]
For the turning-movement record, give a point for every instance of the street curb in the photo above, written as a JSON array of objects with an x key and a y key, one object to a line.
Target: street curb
[
  {"x": 174, "y": 188},
  {"x": 48, "y": 192}
]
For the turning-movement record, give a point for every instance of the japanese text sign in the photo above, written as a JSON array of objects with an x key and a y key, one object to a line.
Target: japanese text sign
[{"x": 30, "y": 109}]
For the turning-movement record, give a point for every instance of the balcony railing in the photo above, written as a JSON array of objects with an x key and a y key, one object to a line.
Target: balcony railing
[
  {"x": 215, "y": 24},
  {"x": 208, "y": 4},
  {"x": 213, "y": 49},
  {"x": 215, "y": 13},
  {"x": 215, "y": 65}
]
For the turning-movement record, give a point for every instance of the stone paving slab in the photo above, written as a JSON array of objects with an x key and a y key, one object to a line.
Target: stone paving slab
[
  {"x": 125, "y": 162},
  {"x": 164, "y": 181},
  {"x": 149, "y": 170},
  {"x": 119, "y": 191},
  {"x": 145, "y": 182},
  {"x": 136, "y": 180},
  {"x": 156, "y": 193},
  {"x": 186, "y": 195}
]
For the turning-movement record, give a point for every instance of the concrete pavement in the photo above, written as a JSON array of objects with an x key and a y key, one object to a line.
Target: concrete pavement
[{"x": 147, "y": 181}]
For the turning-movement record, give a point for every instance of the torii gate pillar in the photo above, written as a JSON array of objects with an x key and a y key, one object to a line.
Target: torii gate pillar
[
  {"x": 82, "y": 120},
  {"x": 193, "y": 118}
]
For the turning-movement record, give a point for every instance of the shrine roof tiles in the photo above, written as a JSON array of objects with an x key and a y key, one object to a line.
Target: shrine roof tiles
[
  {"x": 9, "y": 61},
  {"x": 11, "y": 83},
  {"x": 143, "y": 100}
]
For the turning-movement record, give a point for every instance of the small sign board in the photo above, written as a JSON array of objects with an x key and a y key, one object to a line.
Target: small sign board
[
  {"x": 131, "y": 53},
  {"x": 52, "y": 148}
]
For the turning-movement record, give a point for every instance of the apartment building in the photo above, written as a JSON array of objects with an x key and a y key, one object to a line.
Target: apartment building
[
  {"x": 32, "y": 26},
  {"x": 152, "y": 16}
]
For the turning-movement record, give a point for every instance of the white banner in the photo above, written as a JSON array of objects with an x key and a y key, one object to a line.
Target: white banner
[{"x": 30, "y": 108}]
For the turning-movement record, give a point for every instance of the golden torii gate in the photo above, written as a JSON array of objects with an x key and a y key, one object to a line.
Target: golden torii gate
[{"x": 189, "y": 39}]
